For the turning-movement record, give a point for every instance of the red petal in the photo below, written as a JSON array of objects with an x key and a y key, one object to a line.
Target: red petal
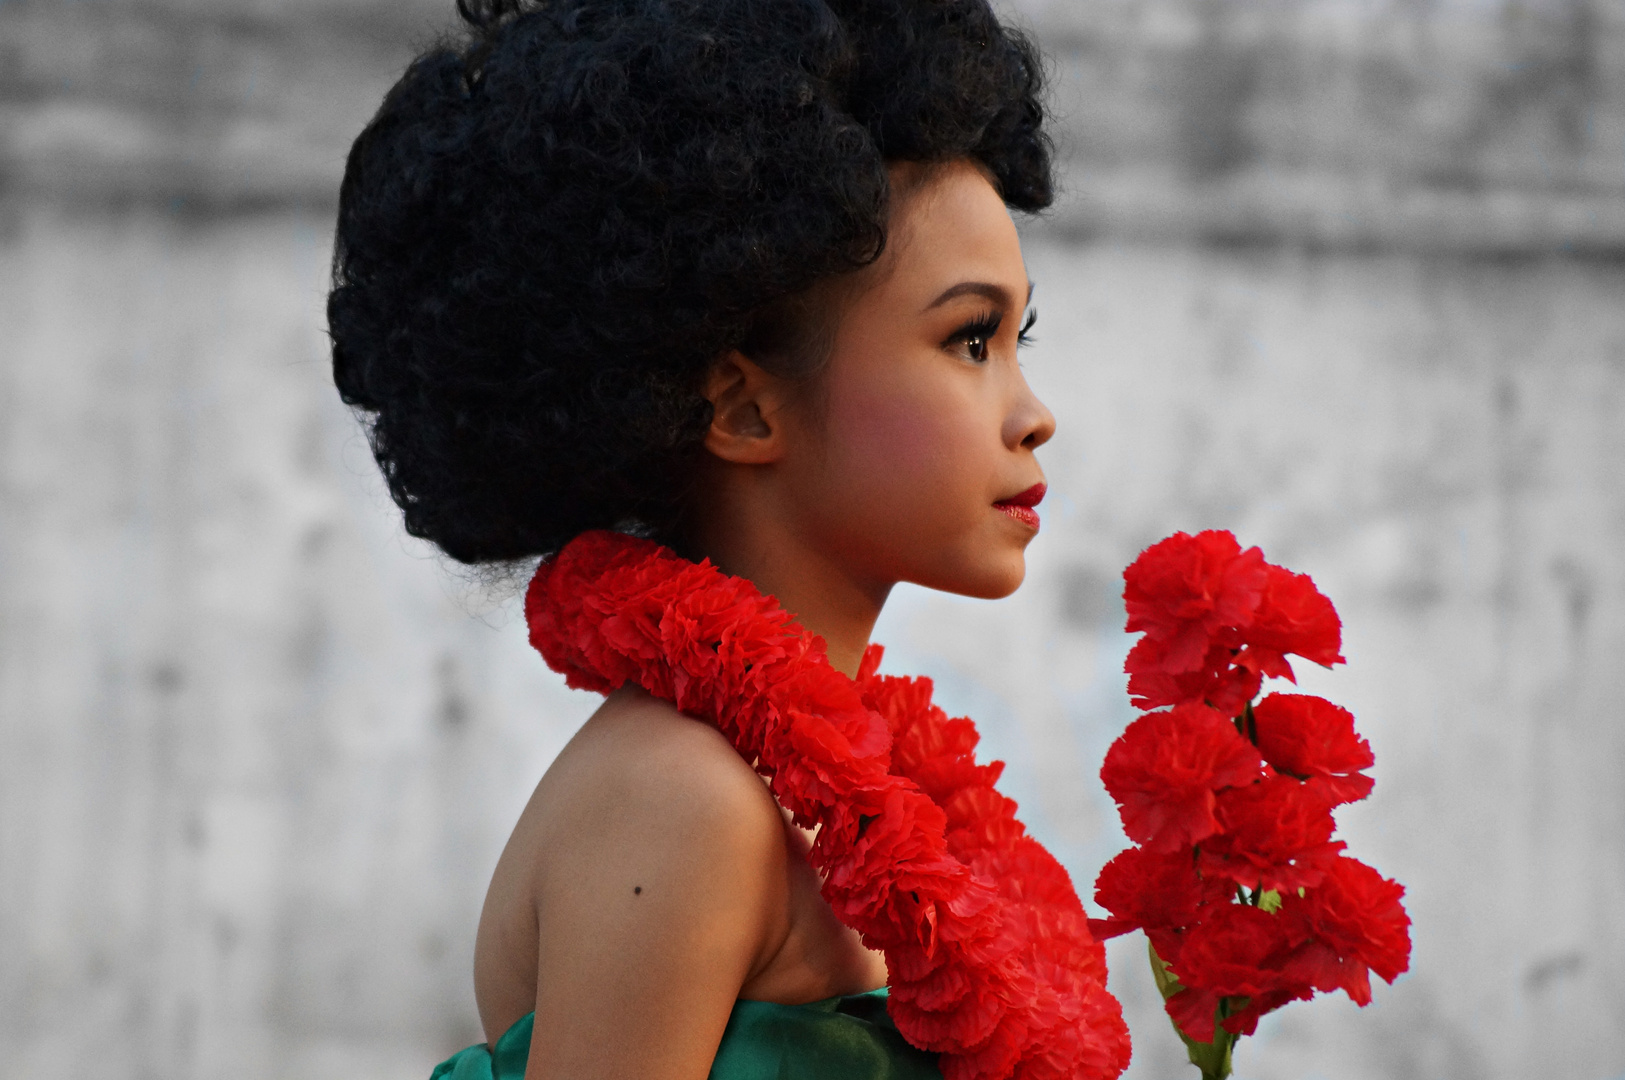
[
  {"x": 1164, "y": 769},
  {"x": 1186, "y": 589},
  {"x": 1277, "y": 834},
  {"x": 1308, "y": 736},
  {"x": 1294, "y": 617}
]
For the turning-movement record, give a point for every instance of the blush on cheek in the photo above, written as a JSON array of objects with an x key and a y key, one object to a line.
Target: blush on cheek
[
  {"x": 900, "y": 412},
  {"x": 896, "y": 438},
  {"x": 908, "y": 497},
  {"x": 896, "y": 457}
]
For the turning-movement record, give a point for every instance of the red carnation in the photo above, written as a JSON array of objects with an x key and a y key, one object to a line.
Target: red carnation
[
  {"x": 1163, "y": 772},
  {"x": 1217, "y": 683},
  {"x": 1052, "y": 996},
  {"x": 1292, "y": 617},
  {"x": 1158, "y": 891},
  {"x": 1353, "y": 921},
  {"x": 1238, "y": 884},
  {"x": 1237, "y": 951},
  {"x": 1217, "y": 620},
  {"x": 1277, "y": 835},
  {"x": 1308, "y": 736},
  {"x": 1186, "y": 589}
]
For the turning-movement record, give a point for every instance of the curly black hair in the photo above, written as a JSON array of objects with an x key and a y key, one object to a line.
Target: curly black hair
[{"x": 556, "y": 223}]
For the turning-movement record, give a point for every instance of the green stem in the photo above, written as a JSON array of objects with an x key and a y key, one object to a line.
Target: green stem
[{"x": 1215, "y": 1058}]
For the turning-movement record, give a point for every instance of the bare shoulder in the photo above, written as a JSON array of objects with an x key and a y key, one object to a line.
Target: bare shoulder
[
  {"x": 647, "y": 829},
  {"x": 638, "y": 762}
]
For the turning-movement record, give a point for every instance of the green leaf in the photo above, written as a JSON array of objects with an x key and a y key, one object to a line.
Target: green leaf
[
  {"x": 1269, "y": 901},
  {"x": 1167, "y": 982}
]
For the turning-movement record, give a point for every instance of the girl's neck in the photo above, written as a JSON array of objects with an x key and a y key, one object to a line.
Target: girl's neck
[{"x": 808, "y": 583}]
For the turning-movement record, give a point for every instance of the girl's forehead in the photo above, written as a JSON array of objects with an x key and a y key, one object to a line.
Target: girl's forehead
[{"x": 951, "y": 226}]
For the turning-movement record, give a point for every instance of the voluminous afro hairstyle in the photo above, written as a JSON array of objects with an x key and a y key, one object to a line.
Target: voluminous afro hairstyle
[{"x": 554, "y": 226}]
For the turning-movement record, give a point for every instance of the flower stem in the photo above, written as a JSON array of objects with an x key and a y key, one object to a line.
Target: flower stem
[{"x": 1213, "y": 1058}]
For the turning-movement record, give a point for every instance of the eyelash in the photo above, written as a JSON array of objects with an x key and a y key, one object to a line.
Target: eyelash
[{"x": 983, "y": 328}]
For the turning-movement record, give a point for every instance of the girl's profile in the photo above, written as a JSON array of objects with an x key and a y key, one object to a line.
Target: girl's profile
[{"x": 715, "y": 307}]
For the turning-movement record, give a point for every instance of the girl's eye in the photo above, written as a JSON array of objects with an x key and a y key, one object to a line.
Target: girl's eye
[{"x": 974, "y": 338}]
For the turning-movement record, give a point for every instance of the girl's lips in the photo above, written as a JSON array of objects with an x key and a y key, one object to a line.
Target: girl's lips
[
  {"x": 1024, "y": 514},
  {"x": 1020, "y": 507}
]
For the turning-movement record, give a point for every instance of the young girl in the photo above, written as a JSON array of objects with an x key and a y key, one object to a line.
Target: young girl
[{"x": 715, "y": 305}]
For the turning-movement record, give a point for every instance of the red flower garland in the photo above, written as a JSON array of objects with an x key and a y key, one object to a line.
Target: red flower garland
[
  {"x": 988, "y": 953},
  {"x": 1237, "y": 880}
]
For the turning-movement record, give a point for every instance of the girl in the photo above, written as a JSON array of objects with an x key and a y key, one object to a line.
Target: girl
[{"x": 714, "y": 305}]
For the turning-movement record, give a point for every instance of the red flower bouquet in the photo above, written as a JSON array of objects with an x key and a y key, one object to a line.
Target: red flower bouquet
[{"x": 1246, "y": 899}]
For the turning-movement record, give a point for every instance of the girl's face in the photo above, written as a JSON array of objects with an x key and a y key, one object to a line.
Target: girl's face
[{"x": 903, "y": 463}]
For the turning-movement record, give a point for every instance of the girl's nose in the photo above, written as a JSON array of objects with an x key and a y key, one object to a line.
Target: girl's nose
[{"x": 1030, "y": 424}]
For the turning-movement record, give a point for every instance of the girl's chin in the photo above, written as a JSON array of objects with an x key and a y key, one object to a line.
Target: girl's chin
[{"x": 990, "y": 579}]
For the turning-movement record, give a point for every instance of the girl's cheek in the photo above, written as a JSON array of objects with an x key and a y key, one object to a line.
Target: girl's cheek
[
  {"x": 898, "y": 441},
  {"x": 900, "y": 415}
]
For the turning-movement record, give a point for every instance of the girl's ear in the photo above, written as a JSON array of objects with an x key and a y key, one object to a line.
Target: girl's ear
[{"x": 746, "y": 427}]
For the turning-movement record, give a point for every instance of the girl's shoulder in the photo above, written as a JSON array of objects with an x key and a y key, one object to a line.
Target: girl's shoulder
[
  {"x": 648, "y": 822},
  {"x": 637, "y": 755},
  {"x": 639, "y": 781}
]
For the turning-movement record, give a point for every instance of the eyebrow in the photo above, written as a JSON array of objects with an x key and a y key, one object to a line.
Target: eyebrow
[{"x": 996, "y": 293}]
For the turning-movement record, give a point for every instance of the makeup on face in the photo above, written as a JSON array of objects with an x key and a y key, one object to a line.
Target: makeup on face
[
  {"x": 1021, "y": 507},
  {"x": 921, "y": 421},
  {"x": 974, "y": 338}
]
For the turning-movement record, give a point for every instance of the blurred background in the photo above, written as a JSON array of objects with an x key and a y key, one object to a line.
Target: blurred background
[{"x": 1345, "y": 276}]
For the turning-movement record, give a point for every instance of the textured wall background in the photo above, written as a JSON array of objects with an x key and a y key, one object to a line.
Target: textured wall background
[{"x": 1345, "y": 277}]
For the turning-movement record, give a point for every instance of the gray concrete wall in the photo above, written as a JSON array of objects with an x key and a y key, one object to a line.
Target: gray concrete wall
[{"x": 258, "y": 752}]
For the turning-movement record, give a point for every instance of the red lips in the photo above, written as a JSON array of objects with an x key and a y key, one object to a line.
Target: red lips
[{"x": 1020, "y": 507}]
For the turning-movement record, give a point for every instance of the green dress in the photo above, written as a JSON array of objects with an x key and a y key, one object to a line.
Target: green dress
[{"x": 840, "y": 1038}]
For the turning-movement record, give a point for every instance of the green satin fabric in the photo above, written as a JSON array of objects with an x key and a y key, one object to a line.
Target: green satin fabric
[{"x": 842, "y": 1038}]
